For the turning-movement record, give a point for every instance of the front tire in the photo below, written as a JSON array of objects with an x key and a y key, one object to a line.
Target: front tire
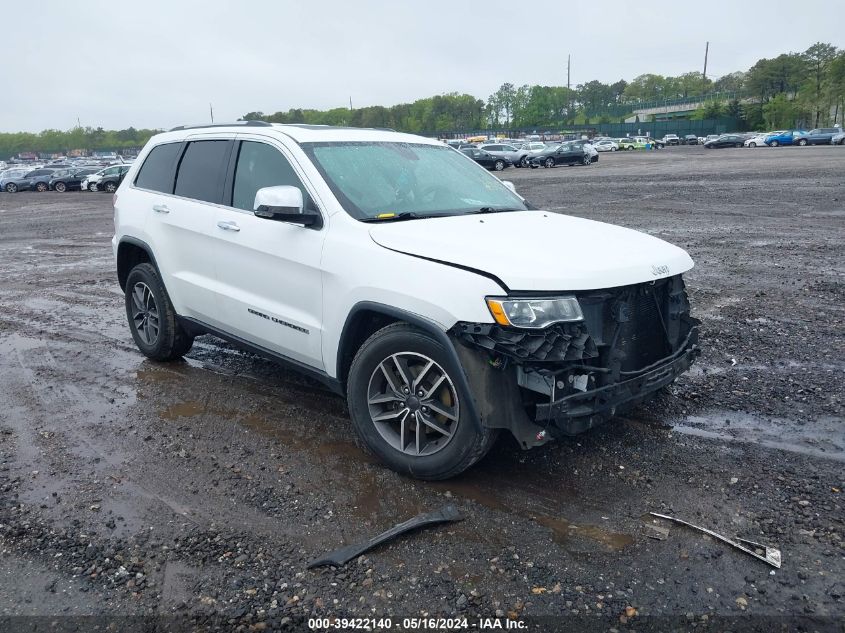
[
  {"x": 524, "y": 161},
  {"x": 92, "y": 187},
  {"x": 60, "y": 187},
  {"x": 499, "y": 165},
  {"x": 110, "y": 187},
  {"x": 41, "y": 187},
  {"x": 549, "y": 163},
  {"x": 152, "y": 317},
  {"x": 775, "y": 143},
  {"x": 408, "y": 408},
  {"x": 587, "y": 160},
  {"x": 802, "y": 142}
]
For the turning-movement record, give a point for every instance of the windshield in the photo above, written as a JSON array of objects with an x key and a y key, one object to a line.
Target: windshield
[{"x": 373, "y": 179}]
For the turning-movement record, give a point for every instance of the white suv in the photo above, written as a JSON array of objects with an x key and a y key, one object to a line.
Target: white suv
[{"x": 395, "y": 270}]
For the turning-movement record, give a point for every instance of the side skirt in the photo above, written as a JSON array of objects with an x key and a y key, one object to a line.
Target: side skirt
[{"x": 197, "y": 328}]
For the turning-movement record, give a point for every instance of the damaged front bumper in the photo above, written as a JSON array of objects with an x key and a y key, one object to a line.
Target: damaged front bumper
[
  {"x": 577, "y": 412},
  {"x": 569, "y": 377}
]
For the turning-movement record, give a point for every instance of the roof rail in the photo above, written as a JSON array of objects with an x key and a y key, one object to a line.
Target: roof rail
[{"x": 235, "y": 124}]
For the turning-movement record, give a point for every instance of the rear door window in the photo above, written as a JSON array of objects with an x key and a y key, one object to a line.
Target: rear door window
[
  {"x": 201, "y": 172},
  {"x": 157, "y": 171}
]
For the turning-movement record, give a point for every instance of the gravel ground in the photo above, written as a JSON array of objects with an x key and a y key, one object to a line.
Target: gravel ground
[{"x": 197, "y": 492}]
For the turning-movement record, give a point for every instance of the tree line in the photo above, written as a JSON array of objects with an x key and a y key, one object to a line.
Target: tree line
[
  {"x": 804, "y": 89},
  {"x": 78, "y": 138}
]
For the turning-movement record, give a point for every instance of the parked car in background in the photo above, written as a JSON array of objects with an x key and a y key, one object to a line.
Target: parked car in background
[
  {"x": 606, "y": 145},
  {"x": 725, "y": 140},
  {"x": 838, "y": 139},
  {"x": 70, "y": 179},
  {"x": 98, "y": 180},
  {"x": 486, "y": 159},
  {"x": 817, "y": 136},
  {"x": 786, "y": 137},
  {"x": 587, "y": 146},
  {"x": 26, "y": 181},
  {"x": 757, "y": 141},
  {"x": 563, "y": 154},
  {"x": 690, "y": 139},
  {"x": 671, "y": 139},
  {"x": 517, "y": 157},
  {"x": 631, "y": 143},
  {"x": 651, "y": 142}
]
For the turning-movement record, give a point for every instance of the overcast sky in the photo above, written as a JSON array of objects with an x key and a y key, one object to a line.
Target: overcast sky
[{"x": 155, "y": 63}]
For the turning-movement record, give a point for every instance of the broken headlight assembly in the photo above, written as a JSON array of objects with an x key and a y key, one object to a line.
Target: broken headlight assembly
[{"x": 535, "y": 313}]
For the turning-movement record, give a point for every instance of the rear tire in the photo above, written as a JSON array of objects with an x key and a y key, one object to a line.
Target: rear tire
[
  {"x": 60, "y": 187},
  {"x": 92, "y": 187},
  {"x": 802, "y": 142},
  {"x": 401, "y": 349},
  {"x": 11, "y": 188},
  {"x": 152, "y": 317},
  {"x": 110, "y": 187},
  {"x": 775, "y": 143},
  {"x": 499, "y": 165},
  {"x": 41, "y": 187}
]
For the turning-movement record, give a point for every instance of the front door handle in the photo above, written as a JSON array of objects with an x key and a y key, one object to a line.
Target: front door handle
[
  {"x": 161, "y": 208},
  {"x": 228, "y": 226}
]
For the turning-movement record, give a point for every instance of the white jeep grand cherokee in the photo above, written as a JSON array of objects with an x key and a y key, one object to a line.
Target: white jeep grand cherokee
[{"x": 402, "y": 275}]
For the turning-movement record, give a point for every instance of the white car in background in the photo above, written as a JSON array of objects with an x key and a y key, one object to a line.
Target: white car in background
[
  {"x": 605, "y": 145},
  {"x": 114, "y": 172},
  {"x": 759, "y": 140}
]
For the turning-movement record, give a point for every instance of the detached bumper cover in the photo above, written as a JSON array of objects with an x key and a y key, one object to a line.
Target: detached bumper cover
[{"x": 629, "y": 391}]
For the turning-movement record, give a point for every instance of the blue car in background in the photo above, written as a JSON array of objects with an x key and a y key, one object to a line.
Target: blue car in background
[{"x": 784, "y": 138}]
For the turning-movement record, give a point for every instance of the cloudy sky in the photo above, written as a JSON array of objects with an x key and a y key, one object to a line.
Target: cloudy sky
[{"x": 160, "y": 63}]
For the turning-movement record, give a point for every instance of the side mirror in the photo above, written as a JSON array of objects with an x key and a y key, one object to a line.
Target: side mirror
[{"x": 284, "y": 203}]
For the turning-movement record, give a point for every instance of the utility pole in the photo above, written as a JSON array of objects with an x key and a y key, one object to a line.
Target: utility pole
[
  {"x": 567, "y": 71},
  {"x": 211, "y": 112},
  {"x": 350, "y": 103},
  {"x": 706, "y": 50}
]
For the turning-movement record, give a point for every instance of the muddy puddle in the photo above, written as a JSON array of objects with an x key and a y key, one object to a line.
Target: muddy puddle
[
  {"x": 819, "y": 437},
  {"x": 368, "y": 491}
]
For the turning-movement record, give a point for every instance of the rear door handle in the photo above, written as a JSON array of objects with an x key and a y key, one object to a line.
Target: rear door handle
[
  {"x": 228, "y": 226},
  {"x": 161, "y": 208}
]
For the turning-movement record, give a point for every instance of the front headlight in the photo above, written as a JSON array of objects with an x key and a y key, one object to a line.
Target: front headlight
[{"x": 534, "y": 313}]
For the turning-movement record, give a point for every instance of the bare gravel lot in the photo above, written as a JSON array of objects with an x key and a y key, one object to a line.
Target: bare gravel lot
[{"x": 194, "y": 494}]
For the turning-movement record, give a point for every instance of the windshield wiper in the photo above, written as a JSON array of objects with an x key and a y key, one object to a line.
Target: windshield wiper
[
  {"x": 396, "y": 217},
  {"x": 492, "y": 210}
]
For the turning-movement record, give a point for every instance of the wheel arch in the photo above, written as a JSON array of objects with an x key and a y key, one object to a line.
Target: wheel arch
[
  {"x": 131, "y": 252},
  {"x": 367, "y": 317}
]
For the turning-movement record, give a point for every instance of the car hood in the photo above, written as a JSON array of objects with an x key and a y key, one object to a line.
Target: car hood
[{"x": 537, "y": 250}]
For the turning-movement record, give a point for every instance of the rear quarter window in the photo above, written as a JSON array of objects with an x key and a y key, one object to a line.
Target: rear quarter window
[{"x": 157, "y": 172}]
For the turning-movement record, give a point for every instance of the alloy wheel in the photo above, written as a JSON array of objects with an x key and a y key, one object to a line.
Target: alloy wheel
[
  {"x": 11, "y": 187},
  {"x": 413, "y": 404},
  {"x": 145, "y": 313},
  {"x": 41, "y": 187},
  {"x": 60, "y": 187},
  {"x": 550, "y": 162}
]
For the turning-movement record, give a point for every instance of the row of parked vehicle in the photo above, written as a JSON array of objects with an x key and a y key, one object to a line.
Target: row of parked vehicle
[
  {"x": 63, "y": 178},
  {"x": 817, "y": 136},
  {"x": 500, "y": 154}
]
